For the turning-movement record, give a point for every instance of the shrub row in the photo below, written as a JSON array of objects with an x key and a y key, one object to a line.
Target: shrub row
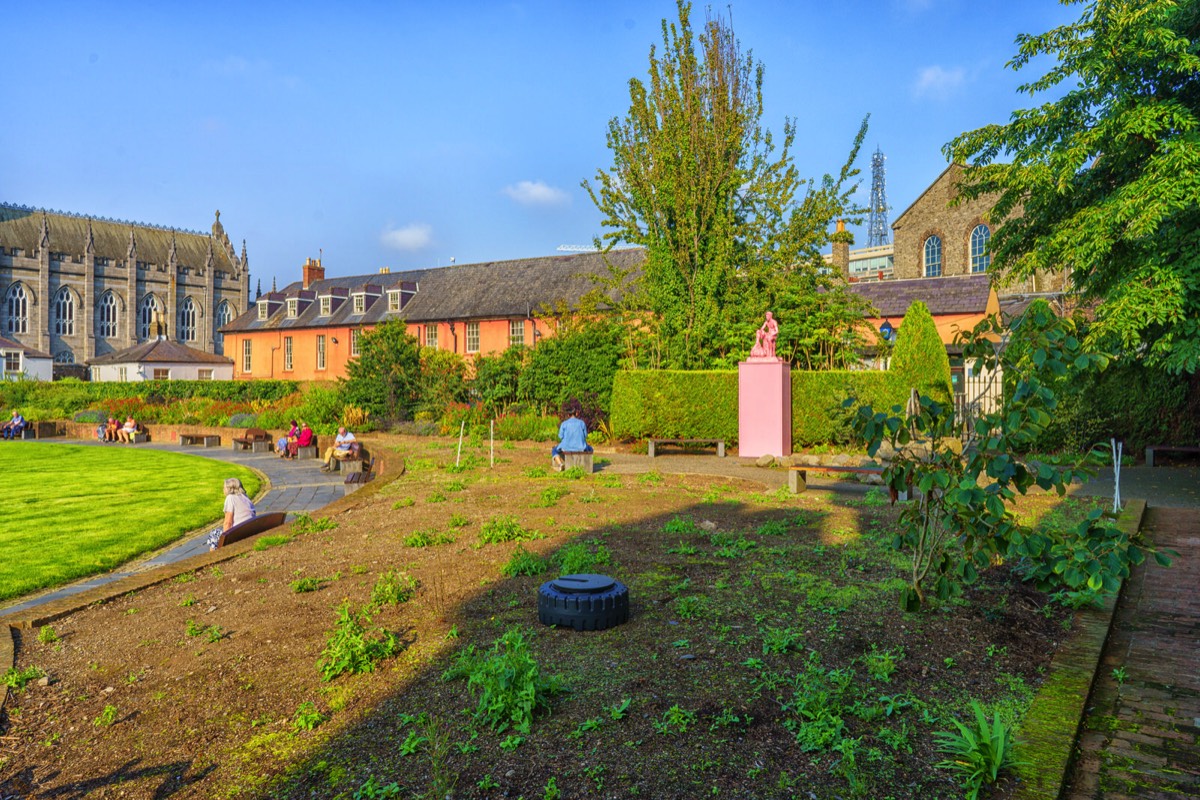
[{"x": 704, "y": 404}]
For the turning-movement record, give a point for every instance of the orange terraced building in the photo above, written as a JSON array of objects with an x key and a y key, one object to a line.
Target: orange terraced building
[{"x": 310, "y": 329}]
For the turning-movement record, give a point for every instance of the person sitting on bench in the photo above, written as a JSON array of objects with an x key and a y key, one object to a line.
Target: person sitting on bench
[
  {"x": 340, "y": 449},
  {"x": 304, "y": 439},
  {"x": 125, "y": 432},
  {"x": 281, "y": 446},
  {"x": 572, "y": 434},
  {"x": 238, "y": 509},
  {"x": 110, "y": 429},
  {"x": 12, "y": 429}
]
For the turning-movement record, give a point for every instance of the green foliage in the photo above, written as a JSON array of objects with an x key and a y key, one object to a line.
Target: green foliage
[
  {"x": 507, "y": 681},
  {"x": 352, "y": 648},
  {"x": 550, "y": 496},
  {"x": 497, "y": 378},
  {"x": 18, "y": 679},
  {"x": 394, "y": 588},
  {"x": 881, "y": 664},
  {"x": 427, "y": 538},
  {"x": 274, "y": 540},
  {"x": 372, "y": 789},
  {"x": 699, "y": 182},
  {"x": 523, "y": 562},
  {"x": 307, "y": 717},
  {"x": 814, "y": 713},
  {"x": 919, "y": 359},
  {"x": 302, "y": 585},
  {"x": 1101, "y": 178},
  {"x": 961, "y": 522},
  {"x": 442, "y": 380},
  {"x": 579, "y": 360},
  {"x": 579, "y": 558},
  {"x": 305, "y": 523},
  {"x": 703, "y": 405},
  {"x": 47, "y": 634},
  {"x": 675, "y": 719},
  {"x": 504, "y": 528},
  {"x": 977, "y": 754},
  {"x": 385, "y": 378},
  {"x": 107, "y": 717}
]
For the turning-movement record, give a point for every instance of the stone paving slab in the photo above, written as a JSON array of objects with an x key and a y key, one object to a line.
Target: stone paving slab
[{"x": 1142, "y": 734}]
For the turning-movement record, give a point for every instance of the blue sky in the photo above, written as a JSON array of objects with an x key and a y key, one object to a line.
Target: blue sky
[{"x": 404, "y": 134}]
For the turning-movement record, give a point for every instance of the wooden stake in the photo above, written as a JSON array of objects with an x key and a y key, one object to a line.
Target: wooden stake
[{"x": 461, "y": 429}]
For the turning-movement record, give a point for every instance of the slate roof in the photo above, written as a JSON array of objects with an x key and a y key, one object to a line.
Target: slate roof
[
  {"x": 964, "y": 294},
  {"x": 487, "y": 290},
  {"x": 160, "y": 351},
  {"x": 21, "y": 226},
  {"x": 9, "y": 344}
]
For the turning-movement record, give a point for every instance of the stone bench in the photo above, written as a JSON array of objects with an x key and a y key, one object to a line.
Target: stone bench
[
  {"x": 798, "y": 478},
  {"x": 575, "y": 458},
  {"x": 653, "y": 444},
  {"x": 1163, "y": 448},
  {"x": 200, "y": 439},
  {"x": 306, "y": 452}
]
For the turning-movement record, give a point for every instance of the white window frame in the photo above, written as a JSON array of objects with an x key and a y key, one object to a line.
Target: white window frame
[
  {"x": 472, "y": 337},
  {"x": 516, "y": 333},
  {"x": 204, "y": 375},
  {"x": 287, "y": 354},
  {"x": 321, "y": 351},
  {"x": 293, "y": 308},
  {"x": 123, "y": 374},
  {"x": 247, "y": 355},
  {"x": 431, "y": 336},
  {"x": 981, "y": 259},
  {"x": 16, "y": 309},
  {"x": 326, "y": 305},
  {"x": 11, "y": 357},
  {"x": 931, "y": 256},
  {"x": 354, "y": 334},
  {"x": 264, "y": 311},
  {"x": 360, "y": 303},
  {"x": 393, "y": 301},
  {"x": 165, "y": 376}
]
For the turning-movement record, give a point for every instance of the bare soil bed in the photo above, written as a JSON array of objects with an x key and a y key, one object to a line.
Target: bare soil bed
[{"x": 745, "y": 605}]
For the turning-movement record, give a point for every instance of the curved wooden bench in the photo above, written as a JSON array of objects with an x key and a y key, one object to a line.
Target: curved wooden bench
[{"x": 252, "y": 527}]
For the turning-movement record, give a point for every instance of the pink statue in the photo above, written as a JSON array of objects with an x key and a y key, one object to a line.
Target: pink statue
[{"x": 764, "y": 340}]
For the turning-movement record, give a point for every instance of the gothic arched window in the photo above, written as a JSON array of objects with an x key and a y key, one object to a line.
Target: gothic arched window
[
  {"x": 980, "y": 258},
  {"x": 187, "y": 320},
  {"x": 146, "y": 311},
  {"x": 16, "y": 318},
  {"x": 64, "y": 312},
  {"x": 224, "y": 317},
  {"x": 933, "y": 257},
  {"x": 106, "y": 316}
]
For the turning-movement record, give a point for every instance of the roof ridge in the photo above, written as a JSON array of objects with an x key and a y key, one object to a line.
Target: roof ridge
[{"x": 97, "y": 218}]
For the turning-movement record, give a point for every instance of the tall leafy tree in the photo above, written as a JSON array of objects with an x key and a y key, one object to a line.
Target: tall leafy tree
[
  {"x": 385, "y": 378},
  {"x": 701, "y": 183},
  {"x": 1104, "y": 178}
]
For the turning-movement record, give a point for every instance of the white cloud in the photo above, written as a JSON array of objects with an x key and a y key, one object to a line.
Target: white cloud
[
  {"x": 939, "y": 83},
  {"x": 411, "y": 237},
  {"x": 537, "y": 193}
]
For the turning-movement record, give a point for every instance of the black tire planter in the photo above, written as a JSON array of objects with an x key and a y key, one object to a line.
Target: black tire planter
[{"x": 583, "y": 602}]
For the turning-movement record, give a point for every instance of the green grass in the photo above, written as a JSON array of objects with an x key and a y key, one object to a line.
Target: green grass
[{"x": 71, "y": 511}]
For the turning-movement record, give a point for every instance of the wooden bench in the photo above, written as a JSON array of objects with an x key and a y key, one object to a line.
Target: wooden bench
[
  {"x": 200, "y": 439},
  {"x": 351, "y": 463},
  {"x": 251, "y": 527},
  {"x": 798, "y": 477},
  {"x": 575, "y": 458},
  {"x": 256, "y": 440},
  {"x": 1164, "y": 448},
  {"x": 141, "y": 435},
  {"x": 363, "y": 474},
  {"x": 653, "y": 444}
]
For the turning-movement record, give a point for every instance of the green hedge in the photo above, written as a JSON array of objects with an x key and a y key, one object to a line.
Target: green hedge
[{"x": 704, "y": 405}]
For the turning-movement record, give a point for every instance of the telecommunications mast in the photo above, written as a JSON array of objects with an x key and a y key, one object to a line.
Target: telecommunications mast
[{"x": 877, "y": 222}]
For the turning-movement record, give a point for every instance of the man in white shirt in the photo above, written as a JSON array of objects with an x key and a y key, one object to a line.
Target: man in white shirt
[{"x": 340, "y": 449}]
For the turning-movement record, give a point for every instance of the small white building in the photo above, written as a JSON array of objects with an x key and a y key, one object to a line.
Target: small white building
[
  {"x": 19, "y": 362},
  {"x": 160, "y": 360}
]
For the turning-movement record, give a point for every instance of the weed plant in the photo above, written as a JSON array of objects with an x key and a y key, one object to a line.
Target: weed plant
[
  {"x": 427, "y": 538},
  {"x": 307, "y": 717},
  {"x": 18, "y": 679},
  {"x": 305, "y": 523},
  {"x": 507, "y": 681},
  {"x": 352, "y": 647},
  {"x": 977, "y": 754},
  {"x": 583, "y": 557},
  {"x": 505, "y": 528},
  {"x": 267, "y": 542},
  {"x": 524, "y": 562},
  {"x": 394, "y": 588},
  {"x": 550, "y": 496}
]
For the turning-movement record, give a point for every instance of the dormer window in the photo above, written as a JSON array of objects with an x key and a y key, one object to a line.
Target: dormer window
[
  {"x": 394, "y": 300},
  {"x": 264, "y": 311},
  {"x": 326, "y": 306},
  {"x": 360, "y": 303},
  {"x": 293, "y": 307}
]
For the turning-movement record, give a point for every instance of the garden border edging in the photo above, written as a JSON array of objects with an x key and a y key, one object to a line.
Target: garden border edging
[{"x": 1051, "y": 727}]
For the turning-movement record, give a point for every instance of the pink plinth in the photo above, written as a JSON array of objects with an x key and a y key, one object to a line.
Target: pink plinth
[{"x": 764, "y": 408}]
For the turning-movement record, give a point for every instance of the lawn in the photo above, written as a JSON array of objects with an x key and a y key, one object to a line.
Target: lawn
[
  {"x": 766, "y": 655},
  {"x": 71, "y": 511}
]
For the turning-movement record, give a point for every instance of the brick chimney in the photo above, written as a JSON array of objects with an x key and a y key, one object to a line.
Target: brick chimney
[
  {"x": 313, "y": 271},
  {"x": 841, "y": 249}
]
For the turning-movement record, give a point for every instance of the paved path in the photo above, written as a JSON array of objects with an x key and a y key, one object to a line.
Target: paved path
[
  {"x": 295, "y": 486},
  {"x": 1141, "y": 738}
]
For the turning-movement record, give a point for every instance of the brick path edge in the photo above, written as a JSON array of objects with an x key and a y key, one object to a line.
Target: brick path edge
[
  {"x": 45, "y": 614},
  {"x": 1051, "y": 726}
]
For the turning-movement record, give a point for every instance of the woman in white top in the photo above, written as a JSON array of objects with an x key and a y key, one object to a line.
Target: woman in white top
[{"x": 238, "y": 508}]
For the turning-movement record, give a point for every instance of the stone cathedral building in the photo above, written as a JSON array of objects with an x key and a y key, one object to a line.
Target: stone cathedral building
[{"x": 81, "y": 287}]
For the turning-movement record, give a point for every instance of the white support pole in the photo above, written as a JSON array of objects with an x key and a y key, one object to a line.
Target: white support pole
[
  {"x": 461, "y": 429},
  {"x": 492, "y": 441},
  {"x": 1117, "y": 448}
]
